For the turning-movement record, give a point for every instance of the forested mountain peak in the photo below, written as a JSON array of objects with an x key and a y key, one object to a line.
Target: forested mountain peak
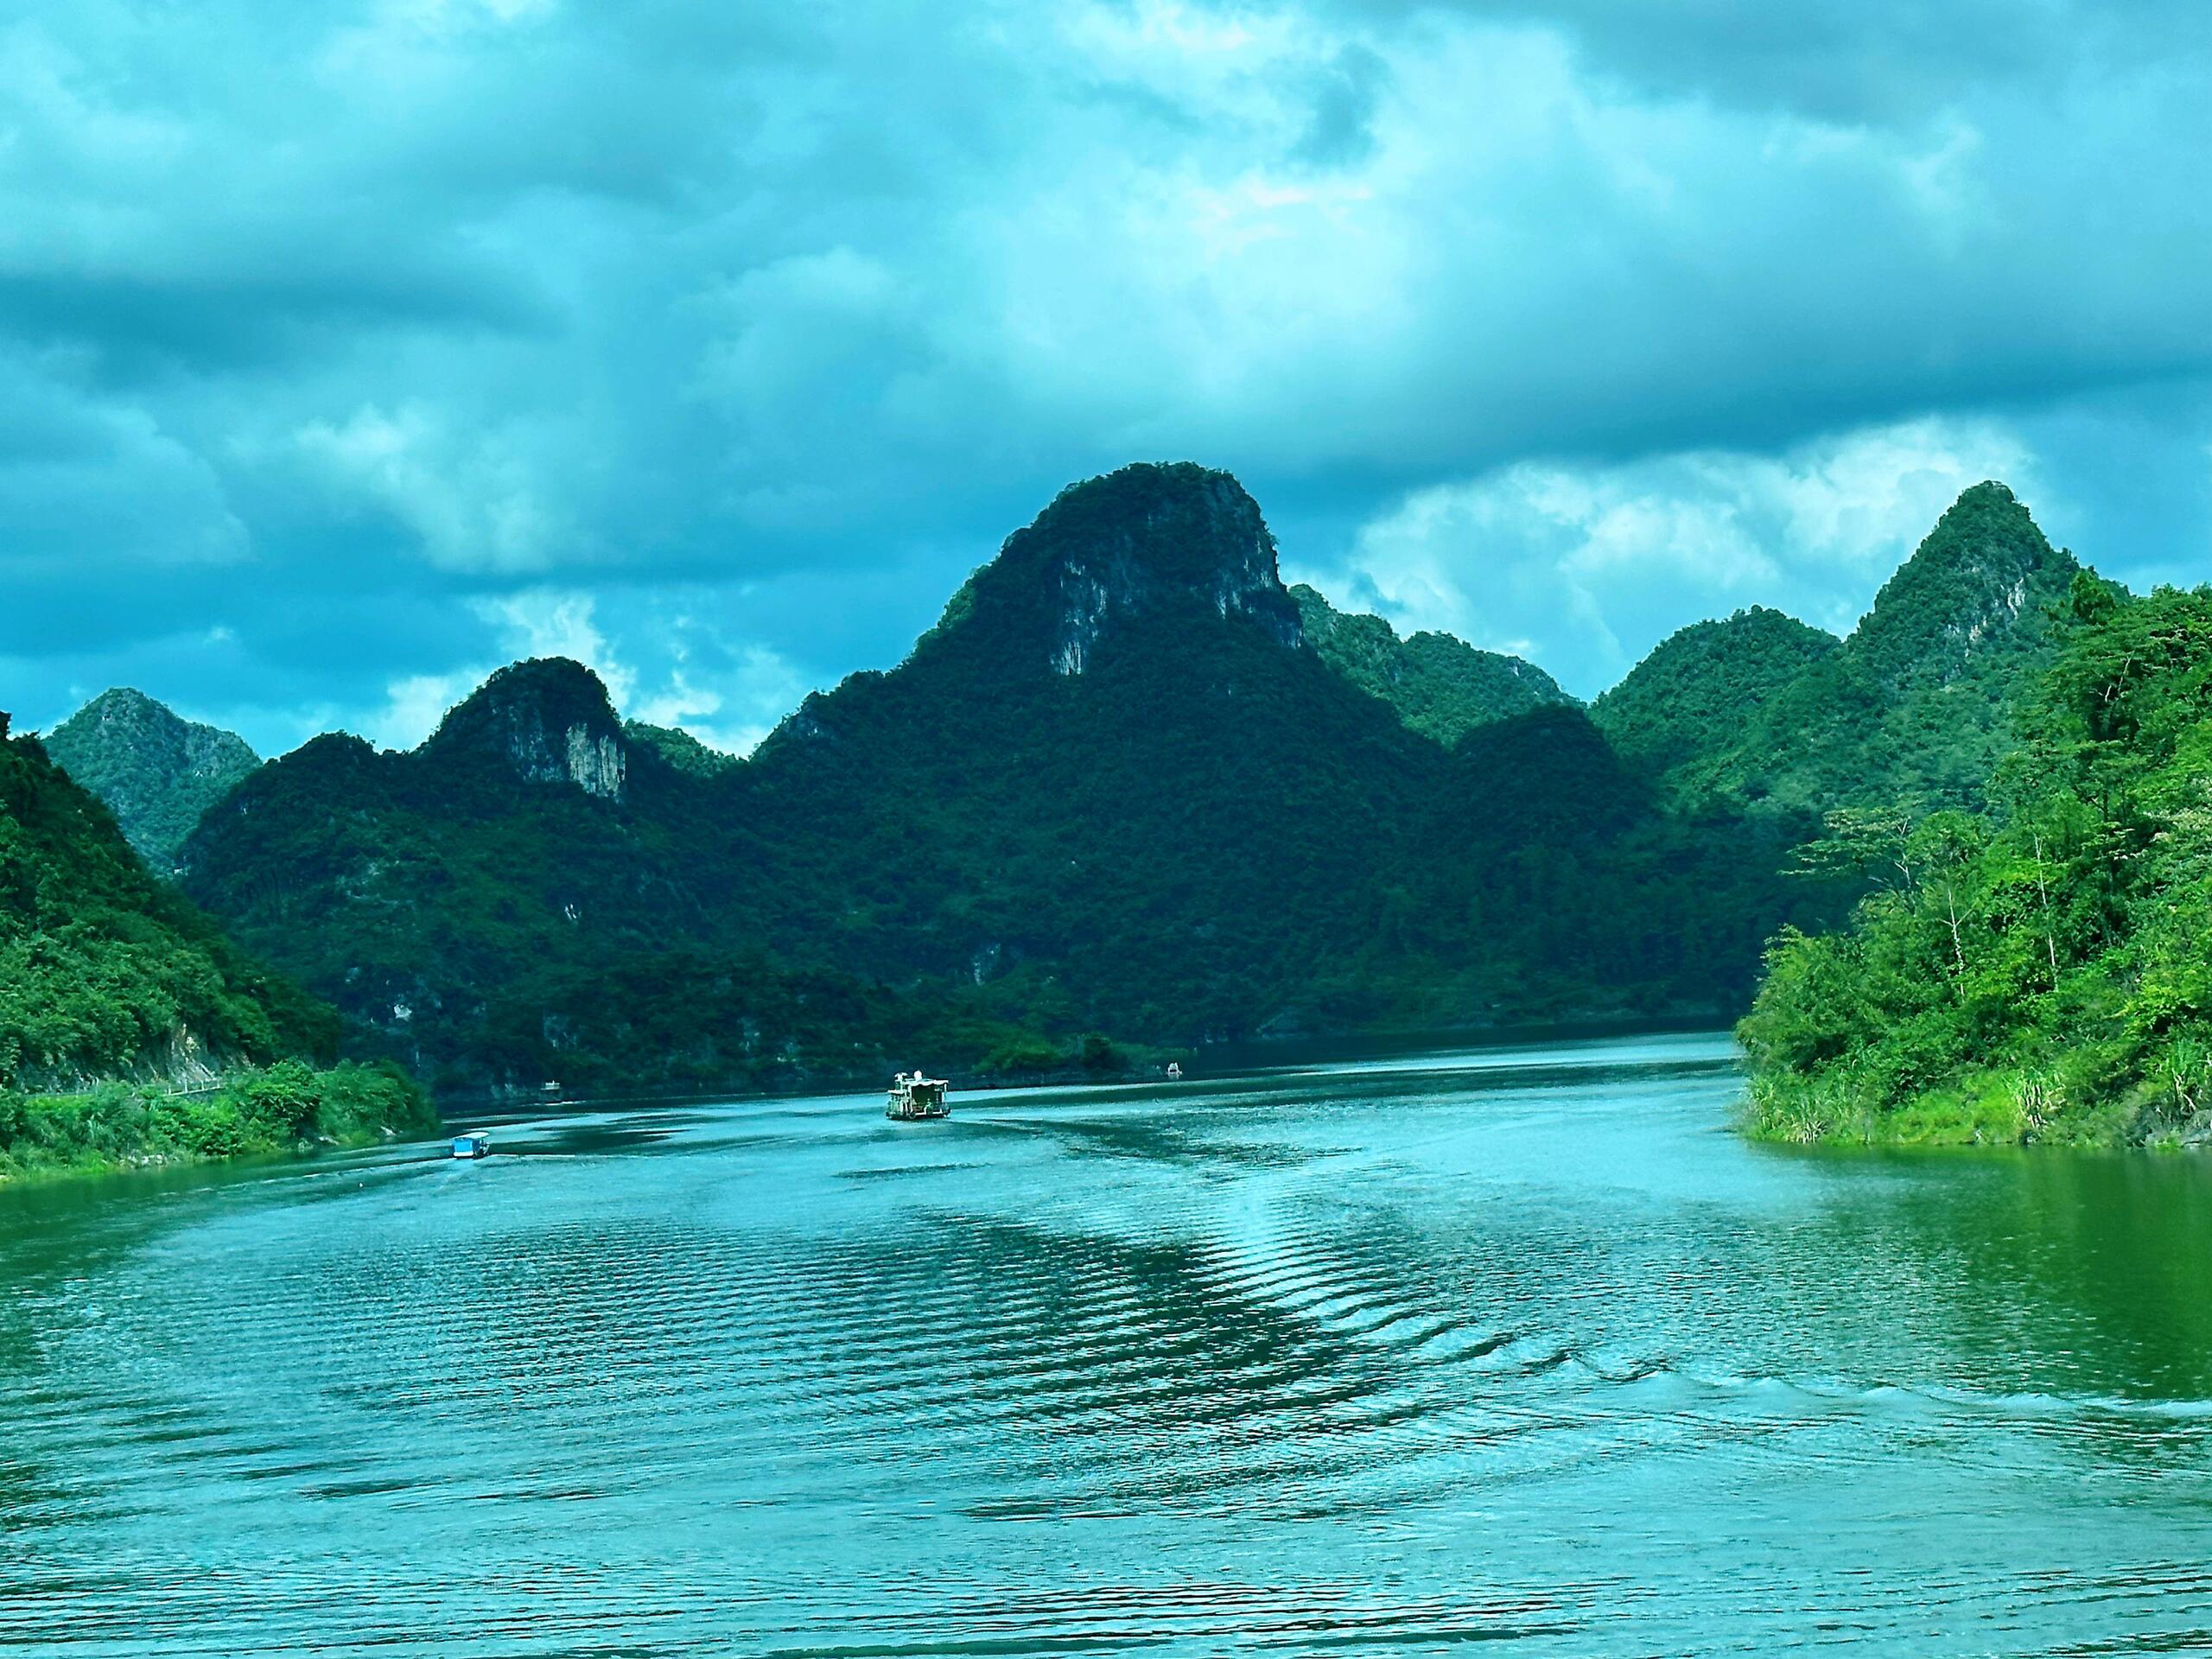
[
  {"x": 1151, "y": 541},
  {"x": 1694, "y": 695},
  {"x": 549, "y": 718},
  {"x": 1980, "y": 580},
  {"x": 153, "y": 770},
  {"x": 1441, "y": 686}
]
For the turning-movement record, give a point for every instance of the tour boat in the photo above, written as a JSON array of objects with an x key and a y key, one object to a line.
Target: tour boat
[
  {"x": 475, "y": 1145},
  {"x": 916, "y": 1096}
]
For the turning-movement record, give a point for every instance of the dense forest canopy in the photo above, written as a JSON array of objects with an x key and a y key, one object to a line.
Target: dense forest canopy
[{"x": 2040, "y": 969}]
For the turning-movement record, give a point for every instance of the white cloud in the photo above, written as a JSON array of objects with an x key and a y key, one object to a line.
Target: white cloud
[
  {"x": 1586, "y": 567},
  {"x": 416, "y": 703},
  {"x": 469, "y": 500}
]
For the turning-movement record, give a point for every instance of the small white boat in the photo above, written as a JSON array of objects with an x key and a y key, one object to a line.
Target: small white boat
[
  {"x": 475, "y": 1145},
  {"x": 915, "y": 1097}
]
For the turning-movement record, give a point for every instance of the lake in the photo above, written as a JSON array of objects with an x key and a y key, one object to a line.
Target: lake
[{"x": 1517, "y": 1347}]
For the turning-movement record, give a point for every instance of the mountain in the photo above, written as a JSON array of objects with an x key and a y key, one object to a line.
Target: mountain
[
  {"x": 544, "y": 721},
  {"x": 131, "y": 1030},
  {"x": 530, "y": 895},
  {"x": 1694, "y": 697},
  {"x": 157, "y": 772},
  {"x": 1440, "y": 686},
  {"x": 106, "y": 972},
  {"x": 679, "y": 748},
  {"x": 2043, "y": 973},
  {"x": 1116, "y": 788},
  {"x": 1916, "y": 706}
]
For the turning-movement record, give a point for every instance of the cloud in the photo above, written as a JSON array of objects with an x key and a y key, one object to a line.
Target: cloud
[
  {"x": 356, "y": 323},
  {"x": 1584, "y": 569}
]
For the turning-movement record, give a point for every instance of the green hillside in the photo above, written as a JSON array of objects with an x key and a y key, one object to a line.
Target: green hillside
[
  {"x": 115, "y": 991},
  {"x": 2041, "y": 970},
  {"x": 1914, "y": 706},
  {"x": 679, "y": 748},
  {"x": 155, "y": 771},
  {"x": 1441, "y": 687},
  {"x": 1917, "y": 706},
  {"x": 1691, "y": 701}
]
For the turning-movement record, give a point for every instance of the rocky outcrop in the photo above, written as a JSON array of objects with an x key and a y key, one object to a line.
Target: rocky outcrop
[
  {"x": 1149, "y": 544},
  {"x": 549, "y": 721}
]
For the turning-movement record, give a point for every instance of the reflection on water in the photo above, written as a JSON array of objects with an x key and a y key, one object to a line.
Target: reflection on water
[{"x": 1520, "y": 1347}]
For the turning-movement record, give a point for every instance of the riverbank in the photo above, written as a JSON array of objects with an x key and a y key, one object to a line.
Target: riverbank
[
  {"x": 287, "y": 1107},
  {"x": 1999, "y": 1106}
]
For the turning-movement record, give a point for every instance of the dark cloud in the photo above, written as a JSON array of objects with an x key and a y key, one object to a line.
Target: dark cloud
[{"x": 346, "y": 350}]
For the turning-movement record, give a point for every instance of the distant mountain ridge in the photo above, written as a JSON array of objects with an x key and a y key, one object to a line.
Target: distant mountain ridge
[
  {"x": 1116, "y": 788},
  {"x": 156, "y": 772},
  {"x": 1441, "y": 686},
  {"x": 679, "y": 748},
  {"x": 1701, "y": 688}
]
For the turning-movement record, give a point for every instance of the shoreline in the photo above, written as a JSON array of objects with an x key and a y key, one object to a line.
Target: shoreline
[
  {"x": 288, "y": 1109},
  {"x": 1994, "y": 1108}
]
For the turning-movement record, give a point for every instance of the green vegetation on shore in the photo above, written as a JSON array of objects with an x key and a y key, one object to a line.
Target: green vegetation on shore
[
  {"x": 2040, "y": 970},
  {"x": 130, "y": 1029},
  {"x": 285, "y": 1107}
]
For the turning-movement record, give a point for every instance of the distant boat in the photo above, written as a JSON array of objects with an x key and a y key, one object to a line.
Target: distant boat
[
  {"x": 478, "y": 1145},
  {"x": 1174, "y": 1071},
  {"x": 916, "y": 1097}
]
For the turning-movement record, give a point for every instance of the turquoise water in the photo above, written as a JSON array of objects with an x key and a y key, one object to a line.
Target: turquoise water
[{"x": 1518, "y": 1348}]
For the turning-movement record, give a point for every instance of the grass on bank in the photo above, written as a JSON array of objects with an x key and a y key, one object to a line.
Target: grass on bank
[
  {"x": 286, "y": 1107},
  {"x": 1992, "y": 1107}
]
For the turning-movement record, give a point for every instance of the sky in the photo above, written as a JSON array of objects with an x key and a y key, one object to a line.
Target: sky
[{"x": 348, "y": 351}]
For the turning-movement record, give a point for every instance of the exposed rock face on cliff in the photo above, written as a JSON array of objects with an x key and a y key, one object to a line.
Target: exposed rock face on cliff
[
  {"x": 157, "y": 772},
  {"x": 549, "y": 720}
]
